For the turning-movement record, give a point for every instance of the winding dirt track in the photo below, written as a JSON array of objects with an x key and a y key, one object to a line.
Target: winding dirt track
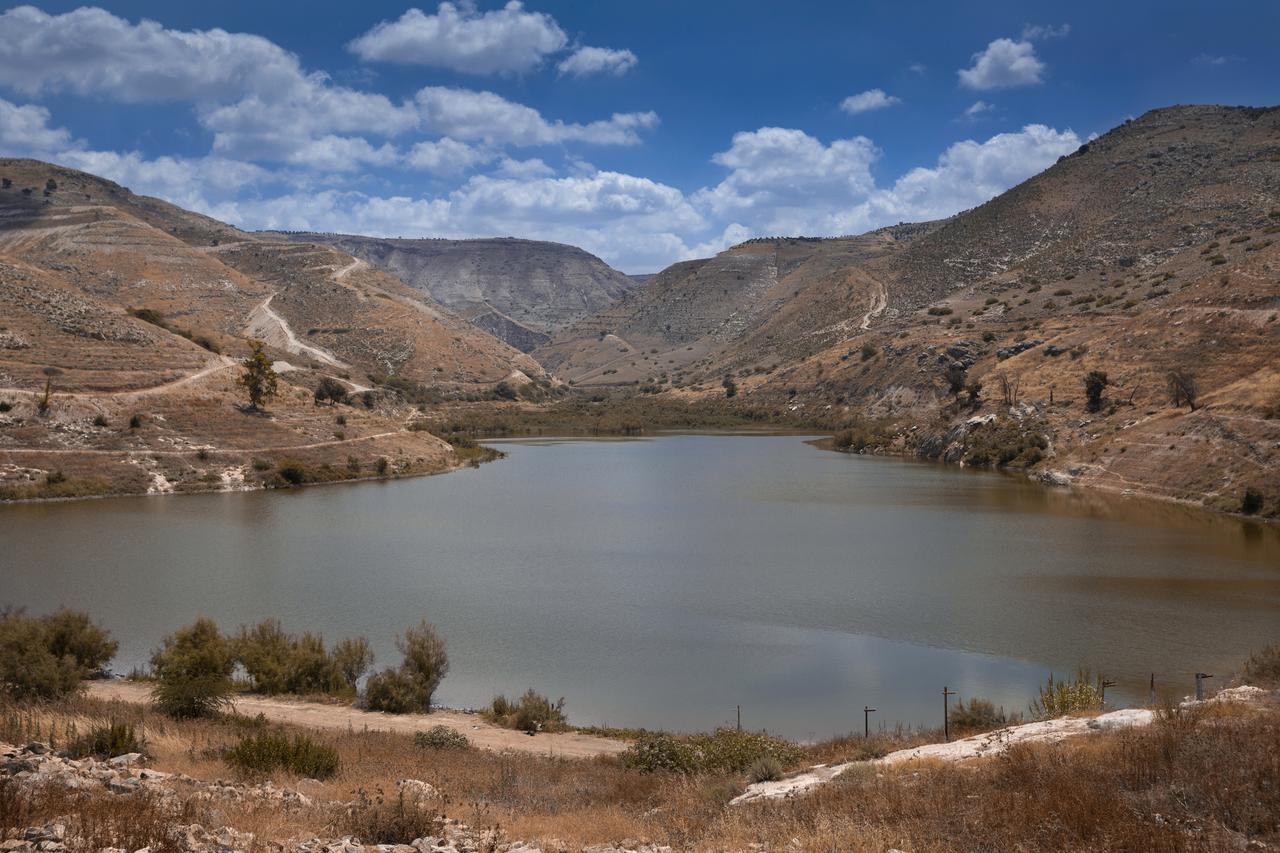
[{"x": 343, "y": 717}]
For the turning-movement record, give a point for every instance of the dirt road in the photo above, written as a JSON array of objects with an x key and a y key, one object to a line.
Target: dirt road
[{"x": 343, "y": 717}]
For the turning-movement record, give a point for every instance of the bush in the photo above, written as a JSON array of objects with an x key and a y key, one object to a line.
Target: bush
[
  {"x": 353, "y": 657},
  {"x": 269, "y": 752},
  {"x": 192, "y": 670},
  {"x": 1262, "y": 669},
  {"x": 381, "y": 466},
  {"x": 533, "y": 713},
  {"x": 292, "y": 472},
  {"x": 425, "y": 661},
  {"x": 441, "y": 737},
  {"x": 330, "y": 390},
  {"x": 391, "y": 691},
  {"x": 1251, "y": 503},
  {"x": 1060, "y": 698},
  {"x": 1095, "y": 383},
  {"x": 375, "y": 820},
  {"x": 107, "y": 742},
  {"x": 28, "y": 669},
  {"x": 979, "y": 715},
  {"x": 504, "y": 391},
  {"x": 70, "y": 633},
  {"x": 765, "y": 769},
  {"x": 723, "y": 751}
]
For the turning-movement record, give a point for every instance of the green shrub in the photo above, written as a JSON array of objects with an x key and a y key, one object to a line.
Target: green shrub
[
  {"x": 71, "y": 633},
  {"x": 28, "y": 669},
  {"x": 722, "y": 751},
  {"x": 441, "y": 737},
  {"x": 270, "y": 751},
  {"x": 381, "y": 466},
  {"x": 533, "y": 713},
  {"x": 192, "y": 671},
  {"x": 764, "y": 769},
  {"x": 292, "y": 472},
  {"x": 353, "y": 656},
  {"x": 1251, "y": 503},
  {"x": 135, "y": 422},
  {"x": 979, "y": 715},
  {"x": 939, "y": 311},
  {"x": 425, "y": 661},
  {"x": 115, "y": 738},
  {"x": 391, "y": 691},
  {"x": 1060, "y": 698},
  {"x": 330, "y": 390}
]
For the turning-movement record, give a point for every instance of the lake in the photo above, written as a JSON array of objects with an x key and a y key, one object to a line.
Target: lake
[{"x": 663, "y": 582}]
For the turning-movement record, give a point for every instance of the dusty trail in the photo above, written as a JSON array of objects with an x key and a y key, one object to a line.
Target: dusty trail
[
  {"x": 222, "y": 363},
  {"x": 268, "y": 326},
  {"x": 879, "y": 302},
  {"x": 344, "y": 718}
]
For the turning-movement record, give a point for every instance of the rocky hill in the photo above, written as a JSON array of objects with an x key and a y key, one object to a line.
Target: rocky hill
[
  {"x": 131, "y": 312},
  {"x": 1151, "y": 253},
  {"x": 521, "y": 291}
]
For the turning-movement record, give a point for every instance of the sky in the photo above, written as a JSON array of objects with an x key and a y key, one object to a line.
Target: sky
[{"x": 646, "y": 133}]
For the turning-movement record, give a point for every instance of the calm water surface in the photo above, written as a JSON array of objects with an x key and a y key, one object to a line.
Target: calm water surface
[{"x": 662, "y": 582}]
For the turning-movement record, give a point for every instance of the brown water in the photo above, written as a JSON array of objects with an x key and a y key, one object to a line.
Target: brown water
[{"x": 663, "y": 582}]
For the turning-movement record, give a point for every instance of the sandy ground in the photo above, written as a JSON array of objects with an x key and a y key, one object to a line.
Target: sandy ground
[{"x": 322, "y": 716}]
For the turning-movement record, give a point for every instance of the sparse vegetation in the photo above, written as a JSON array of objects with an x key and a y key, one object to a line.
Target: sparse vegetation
[
  {"x": 107, "y": 741},
  {"x": 532, "y": 713},
  {"x": 723, "y": 751},
  {"x": 272, "y": 751},
  {"x": 1059, "y": 698}
]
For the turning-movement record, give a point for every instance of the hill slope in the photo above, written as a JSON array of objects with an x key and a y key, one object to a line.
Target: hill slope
[
  {"x": 128, "y": 306},
  {"x": 1154, "y": 248},
  {"x": 520, "y": 291}
]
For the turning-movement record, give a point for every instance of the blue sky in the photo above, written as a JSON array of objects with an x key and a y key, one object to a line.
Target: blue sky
[{"x": 643, "y": 132}]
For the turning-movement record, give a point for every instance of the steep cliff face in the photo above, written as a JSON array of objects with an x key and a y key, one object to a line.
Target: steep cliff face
[{"x": 521, "y": 291}]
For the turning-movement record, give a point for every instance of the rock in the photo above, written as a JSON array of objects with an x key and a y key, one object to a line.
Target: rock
[
  {"x": 1011, "y": 351},
  {"x": 126, "y": 760},
  {"x": 417, "y": 789}
]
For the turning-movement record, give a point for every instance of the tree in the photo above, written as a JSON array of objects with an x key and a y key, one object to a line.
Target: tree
[
  {"x": 1009, "y": 388},
  {"x": 1182, "y": 388},
  {"x": 425, "y": 660},
  {"x": 331, "y": 390},
  {"x": 974, "y": 390},
  {"x": 46, "y": 658},
  {"x": 956, "y": 374},
  {"x": 71, "y": 633},
  {"x": 259, "y": 378},
  {"x": 730, "y": 387},
  {"x": 1095, "y": 384},
  {"x": 193, "y": 669}
]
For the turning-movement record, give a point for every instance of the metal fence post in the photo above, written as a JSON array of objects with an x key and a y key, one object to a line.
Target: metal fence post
[{"x": 1200, "y": 677}]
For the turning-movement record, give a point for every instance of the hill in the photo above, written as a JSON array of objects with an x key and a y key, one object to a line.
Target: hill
[
  {"x": 132, "y": 313},
  {"x": 1152, "y": 253},
  {"x": 520, "y": 291}
]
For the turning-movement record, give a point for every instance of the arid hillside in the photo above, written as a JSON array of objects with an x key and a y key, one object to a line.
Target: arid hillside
[
  {"x": 520, "y": 291},
  {"x": 1151, "y": 255},
  {"x": 122, "y": 321}
]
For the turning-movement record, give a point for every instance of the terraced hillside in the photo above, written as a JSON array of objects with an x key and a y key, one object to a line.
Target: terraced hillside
[
  {"x": 122, "y": 319},
  {"x": 520, "y": 291},
  {"x": 1152, "y": 254}
]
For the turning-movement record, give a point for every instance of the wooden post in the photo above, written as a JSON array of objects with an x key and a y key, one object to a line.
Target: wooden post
[
  {"x": 739, "y": 718},
  {"x": 1103, "y": 684},
  {"x": 1151, "y": 694},
  {"x": 867, "y": 711},
  {"x": 946, "y": 714},
  {"x": 1200, "y": 677}
]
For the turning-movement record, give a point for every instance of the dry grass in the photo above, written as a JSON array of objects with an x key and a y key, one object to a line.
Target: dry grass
[{"x": 1192, "y": 781}]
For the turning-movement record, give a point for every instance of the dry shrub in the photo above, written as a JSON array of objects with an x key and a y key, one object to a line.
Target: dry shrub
[
  {"x": 533, "y": 713},
  {"x": 273, "y": 751},
  {"x": 1060, "y": 698},
  {"x": 1262, "y": 669},
  {"x": 98, "y": 821},
  {"x": 378, "y": 819},
  {"x": 979, "y": 715}
]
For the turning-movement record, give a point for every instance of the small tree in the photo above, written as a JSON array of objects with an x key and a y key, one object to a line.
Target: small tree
[
  {"x": 1182, "y": 389},
  {"x": 259, "y": 378},
  {"x": 193, "y": 669},
  {"x": 974, "y": 390},
  {"x": 353, "y": 657},
  {"x": 956, "y": 374},
  {"x": 331, "y": 390},
  {"x": 1095, "y": 384},
  {"x": 28, "y": 669},
  {"x": 1009, "y": 386},
  {"x": 730, "y": 387},
  {"x": 71, "y": 633},
  {"x": 425, "y": 660}
]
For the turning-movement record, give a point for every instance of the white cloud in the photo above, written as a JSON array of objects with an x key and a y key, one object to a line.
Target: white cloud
[
  {"x": 25, "y": 131},
  {"x": 459, "y": 38},
  {"x": 531, "y": 168},
  {"x": 1216, "y": 59},
  {"x": 471, "y": 115},
  {"x": 1041, "y": 32},
  {"x": 446, "y": 156},
  {"x": 89, "y": 51},
  {"x": 872, "y": 99},
  {"x": 977, "y": 108},
  {"x": 598, "y": 60},
  {"x": 918, "y": 68},
  {"x": 1004, "y": 63}
]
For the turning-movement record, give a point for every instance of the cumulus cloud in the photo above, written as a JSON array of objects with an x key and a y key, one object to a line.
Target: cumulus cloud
[
  {"x": 446, "y": 156},
  {"x": 89, "y": 51},
  {"x": 1004, "y": 64},
  {"x": 471, "y": 115},
  {"x": 872, "y": 99},
  {"x": 459, "y": 38},
  {"x": 25, "y": 131},
  {"x": 598, "y": 60}
]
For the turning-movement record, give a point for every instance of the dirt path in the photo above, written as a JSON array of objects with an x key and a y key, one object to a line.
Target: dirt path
[
  {"x": 879, "y": 302},
  {"x": 220, "y": 364},
  {"x": 356, "y": 264},
  {"x": 267, "y": 325},
  {"x": 343, "y": 717},
  {"x": 214, "y": 450}
]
